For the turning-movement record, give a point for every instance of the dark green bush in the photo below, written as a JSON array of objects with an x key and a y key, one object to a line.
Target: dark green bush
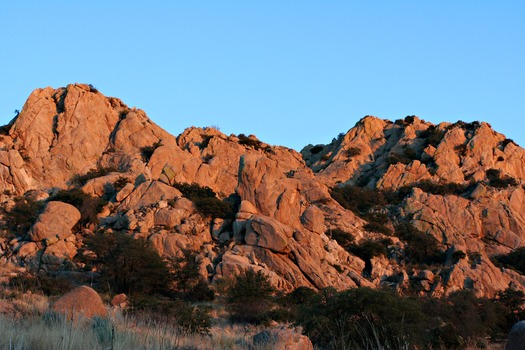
[
  {"x": 194, "y": 191},
  {"x": 147, "y": 151},
  {"x": 81, "y": 180},
  {"x": 206, "y": 201},
  {"x": 360, "y": 316},
  {"x": 163, "y": 310},
  {"x": 377, "y": 227},
  {"x": 497, "y": 181},
  {"x": 128, "y": 265},
  {"x": 23, "y": 215},
  {"x": 514, "y": 260},
  {"x": 420, "y": 248},
  {"x": 247, "y": 141},
  {"x": 250, "y": 298},
  {"x": 187, "y": 279},
  {"x": 368, "y": 249},
  {"x": 359, "y": 200},
  {"x": 352, "y": 152},
  {"x": 343, "y": 238},
  {"x": 432, "y": 136}
]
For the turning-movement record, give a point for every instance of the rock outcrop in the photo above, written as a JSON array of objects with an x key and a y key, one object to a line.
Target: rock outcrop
[
  {"x": 286, "y": 222},
  {"x": 82, "y": 301}
]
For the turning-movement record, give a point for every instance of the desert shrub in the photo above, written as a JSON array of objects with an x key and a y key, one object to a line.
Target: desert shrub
[
  {"x": 355, "y": 317},
  {"x": 88, "y": 206},
  {"x": 359, "y": 200},
  {"x": 23, "y": 215},
  {"x": 352, "y": 152},
  {"x": 377, "y": 227},
  {"x": 368, "y": 249},
  {"x": 247, "y": 141},
  {"x": 127, "y": 265},
  {"x": 205, "y": 141},
  {"x": 420, "y": 248},
  {"x": 432, "y": 136},
  {"x": 92, "y": 88},
  {"x": 81, "y": 180},
  {"x": 316, "y": 149},
  {"x": 514, "y": 260},
  {"x": 512, "y": 302},
  {"x": 206, "y": 202},
  {"x": 164, "y": 310},
  {"x": 4, "y": 129},
  {"x": 215, "y": 208},
  {"x": 187, "y": 279},
  {"x": 250, "y": 298},
  {"x": 194, "y": 191},
  {"x": 147, "y": 151},
  {"x": 496, "y": 180},
  {"x": 458, "y": 255},
  {"x": 41, "y": 282},
  {"x": 504, "y": 143},
  {"x": 409, "y": 119},
  {"x": 431, "y": 187},
  {"x": 343, "y": 238},
  {"x": 461, "y": 149}
]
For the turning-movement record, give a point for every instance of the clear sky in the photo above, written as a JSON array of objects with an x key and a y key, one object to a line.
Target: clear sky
[{"x": 291, "y": 72}]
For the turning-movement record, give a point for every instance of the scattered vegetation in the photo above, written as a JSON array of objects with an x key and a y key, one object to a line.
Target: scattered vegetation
[
  {"x": 514, "y": 260},
  {"x": 498, "y": 181},
  {"x": 81, "y": 180},
  {"x": 248, "y": 141},
  {"x": 250, "y": 298},
  {"x": 23, "y": 215},
  {"x": 207, "y": 202},
  {"x": 147, "y": 151},
  {"x": 352, "y": 152}
]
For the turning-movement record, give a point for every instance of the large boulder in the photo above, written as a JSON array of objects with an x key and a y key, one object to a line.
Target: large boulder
[
  {"x": 56, "y": 221},
  {"x": 82, "y": 301},
  {"x": 268, "y": 233},
  {"x": 516, "y": 339}
]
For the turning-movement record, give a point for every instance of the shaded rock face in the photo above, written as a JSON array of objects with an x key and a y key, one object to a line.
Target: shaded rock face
[
  {"x": 285, "y": 215},
  {"x": 82, "y": 301},
  {"x": 516, "y": 338}
]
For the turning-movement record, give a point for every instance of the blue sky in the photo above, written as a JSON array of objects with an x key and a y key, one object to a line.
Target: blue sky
[{"x": 291, "y": 72}]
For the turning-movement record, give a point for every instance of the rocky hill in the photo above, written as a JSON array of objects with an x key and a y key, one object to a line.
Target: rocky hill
[{"x": 419, "y": 207}]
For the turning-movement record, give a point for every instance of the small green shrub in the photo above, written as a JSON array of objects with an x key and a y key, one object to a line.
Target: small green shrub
[
  {"x": 250, "y": 298},
  {"x": 377, "y": 227},
  {"x": 352, "y": 152},
  {"x": 206, "y": 202},
  {"x": 23, "y": 215},
  {"x": 432, "y": 136},
  {"x": 147, "y": 151},
  {"x": 187, "y": 279},
  {"x": 343, "y": 238},
  {"x": 247, "y": 141},
  {"x": 81, "y": 180},
  {"x": 514, "y": 260},
  {"x": 128, "y": 265},
  {"x": 421, "y": 248},
  {"x": 497, "y": 181}
]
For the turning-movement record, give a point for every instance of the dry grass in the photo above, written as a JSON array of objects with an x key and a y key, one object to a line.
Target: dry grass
[{"x": 26, "y": 323}]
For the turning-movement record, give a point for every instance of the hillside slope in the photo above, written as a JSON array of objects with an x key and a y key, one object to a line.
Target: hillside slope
[{"x": 416, "y": 206}]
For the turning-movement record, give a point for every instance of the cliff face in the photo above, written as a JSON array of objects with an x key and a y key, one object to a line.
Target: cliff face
[{"x": 287, "y": 222}]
